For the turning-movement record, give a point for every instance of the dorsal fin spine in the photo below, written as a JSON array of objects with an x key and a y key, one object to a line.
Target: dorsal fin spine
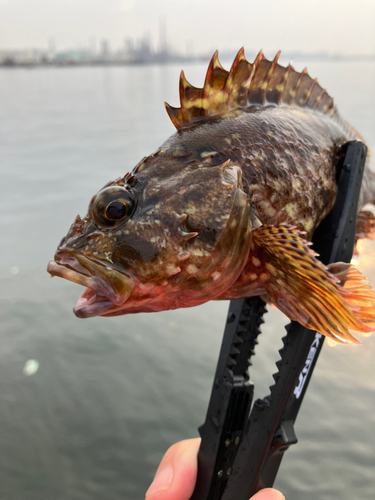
[
  {"x": 255, "y": 66},
  {"x": 183, "y": 83},
  {"x": 236, "y": 89},
  {"x": 309, "y": 91},
  {"x": 281, "y": 86},
  {"x": 268, "y": 76},
  {"x": 213, "y": 90},
  {"x": 227, "y": 94},
  {"x": 300, "y": 100},
  {"x": 324, "y": 91},
  {"x": 303, "y": 73},
  {"x": 173, "y": 115}
]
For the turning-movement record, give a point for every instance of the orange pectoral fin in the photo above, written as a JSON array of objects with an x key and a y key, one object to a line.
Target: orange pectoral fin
[
  {"x": 365, "y": 225},
  {"x": 309, "y": 292}
]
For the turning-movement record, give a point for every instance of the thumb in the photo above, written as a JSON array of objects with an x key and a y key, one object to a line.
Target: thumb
[
  {"x": 268, "y": 494},
  {"x": 177, "y": 473}
]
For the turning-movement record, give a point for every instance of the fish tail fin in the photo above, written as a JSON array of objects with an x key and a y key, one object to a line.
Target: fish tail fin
[{"x": 332, "y": 300}]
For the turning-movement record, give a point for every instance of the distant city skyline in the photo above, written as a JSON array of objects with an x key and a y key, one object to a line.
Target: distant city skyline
[
  {"x": 332, "y": 26},
  {"x": 137, "y": 51}
]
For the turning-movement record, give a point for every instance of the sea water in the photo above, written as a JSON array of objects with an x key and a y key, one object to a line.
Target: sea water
[{"x": 88, "y": 407}]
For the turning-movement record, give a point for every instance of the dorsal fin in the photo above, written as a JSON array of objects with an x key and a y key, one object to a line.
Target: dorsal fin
[{"x": 260, "y": 82}]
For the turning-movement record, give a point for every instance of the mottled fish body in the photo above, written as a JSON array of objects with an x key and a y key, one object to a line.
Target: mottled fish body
[{"x": 226, "y": 208}]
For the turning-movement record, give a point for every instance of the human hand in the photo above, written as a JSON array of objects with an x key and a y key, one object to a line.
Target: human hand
[{"x": 177, "y": 473}]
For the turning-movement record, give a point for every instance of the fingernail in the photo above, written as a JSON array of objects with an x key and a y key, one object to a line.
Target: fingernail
[{"x": 162, "y": 480}]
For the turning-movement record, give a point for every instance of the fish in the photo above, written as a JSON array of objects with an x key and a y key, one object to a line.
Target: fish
[{"x": 227, "y": 206}]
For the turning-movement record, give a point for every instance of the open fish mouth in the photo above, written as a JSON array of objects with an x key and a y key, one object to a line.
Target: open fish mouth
[{"x": 106, "y": 288}]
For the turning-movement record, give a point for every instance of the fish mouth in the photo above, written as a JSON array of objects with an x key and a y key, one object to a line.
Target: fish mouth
[{"x": 106, "y": 288}]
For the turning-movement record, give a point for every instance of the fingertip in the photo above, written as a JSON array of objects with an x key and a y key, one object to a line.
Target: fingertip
[
  {"x": 268, "y": 494},
  {"x": 177, "y": 473},
  {"x": 162, "y": 481}
]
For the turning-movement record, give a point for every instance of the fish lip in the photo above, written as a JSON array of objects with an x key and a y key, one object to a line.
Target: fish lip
[
  {"x": 99, "y": 294},
  {"x": 90, "y": 304}
]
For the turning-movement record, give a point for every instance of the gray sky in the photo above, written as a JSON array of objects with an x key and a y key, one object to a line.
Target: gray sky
[{"x": 307, "y": 25}]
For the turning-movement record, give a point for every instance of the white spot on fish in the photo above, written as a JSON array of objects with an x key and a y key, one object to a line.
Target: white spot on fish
[
  {"x": 259, "y": 155},
  {"x": 291, "y": 210},
  {"x": 108, "y": 256},
  {"x": 308, "y": 224},
  {"x": 267, "y": 208},
  {"x": 255, "y": 261},
  {"x": 197, "y": 252},
  {"x": 191, "y": 269},
  {"x": 178, "y": 151},
  {"x": 171, "y": 269}
]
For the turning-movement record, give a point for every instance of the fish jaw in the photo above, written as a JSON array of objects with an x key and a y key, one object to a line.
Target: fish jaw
[
  {"x": 105, "y": 287},
  {"x": 90, "y": 304}
]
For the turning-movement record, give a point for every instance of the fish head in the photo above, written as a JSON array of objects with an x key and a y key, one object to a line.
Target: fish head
[{"x": 158, "y": 239}]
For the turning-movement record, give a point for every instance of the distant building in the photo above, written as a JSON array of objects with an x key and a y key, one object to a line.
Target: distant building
[
  {"x": 27, "y": 57},
  {"x": 104, "y": 48},
  {"x": 73, "y": 57}
]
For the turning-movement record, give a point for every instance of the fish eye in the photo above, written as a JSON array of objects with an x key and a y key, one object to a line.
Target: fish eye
[
  {"x": 112, "y": 205},
  {"x": 116, "y": 210}
]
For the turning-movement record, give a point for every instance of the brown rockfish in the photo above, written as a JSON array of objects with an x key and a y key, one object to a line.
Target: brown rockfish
[{"x": 226, "y": 207}]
